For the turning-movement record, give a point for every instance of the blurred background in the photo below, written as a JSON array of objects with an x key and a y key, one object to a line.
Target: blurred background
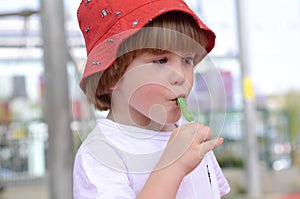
[{"x": 44, "y": 117}]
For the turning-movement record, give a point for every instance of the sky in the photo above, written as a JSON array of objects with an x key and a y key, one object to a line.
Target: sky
[
  {"x": 273, "y": 36},
  {"x": 273, "y": 40}
]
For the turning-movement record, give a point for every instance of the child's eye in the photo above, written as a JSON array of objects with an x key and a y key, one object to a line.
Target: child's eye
[
  {"x": 161, "y": 61},
  {"x": 189, "y": 60}
]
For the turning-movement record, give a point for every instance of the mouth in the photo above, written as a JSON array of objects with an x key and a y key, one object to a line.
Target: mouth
[{"x": 175, "y": 100}]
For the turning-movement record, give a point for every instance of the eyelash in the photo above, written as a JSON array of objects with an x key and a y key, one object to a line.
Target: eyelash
[
  {"x": 159, "y": 61},
  {"x": 187, "y": 60}
]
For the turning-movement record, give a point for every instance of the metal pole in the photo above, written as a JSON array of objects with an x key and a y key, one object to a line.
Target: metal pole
[
  {"x": 57, "y": 109},
  {"x": 251, "y": 159}
]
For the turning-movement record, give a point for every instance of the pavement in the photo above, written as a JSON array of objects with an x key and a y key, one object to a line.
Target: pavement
[
  {"x": 295, "y": 195},
  {"x": 284, "y": 184},
  {"x": 291, "y": 196},
  {"x": 39, "y": 190},
  {"x": 25, "y": 192}
]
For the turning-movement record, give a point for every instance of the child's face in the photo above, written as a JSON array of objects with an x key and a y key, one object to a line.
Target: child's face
[{"x": 150, "y": 86}]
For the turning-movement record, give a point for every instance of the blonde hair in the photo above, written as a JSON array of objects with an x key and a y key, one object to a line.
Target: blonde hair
[{"x": 168, "y": 32}]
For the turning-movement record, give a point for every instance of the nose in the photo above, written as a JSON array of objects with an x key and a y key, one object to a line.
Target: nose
[{"x": 177, "y": 75}]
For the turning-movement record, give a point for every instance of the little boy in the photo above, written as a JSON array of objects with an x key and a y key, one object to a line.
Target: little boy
[{"x": 141, "y": 58}]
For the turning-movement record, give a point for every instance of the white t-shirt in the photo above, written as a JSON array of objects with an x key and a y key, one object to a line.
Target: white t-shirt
[{"x": 115, "y": 161}]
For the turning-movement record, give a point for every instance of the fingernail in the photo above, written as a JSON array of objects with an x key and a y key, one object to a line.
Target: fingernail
[{"x": 221, "y": 139}]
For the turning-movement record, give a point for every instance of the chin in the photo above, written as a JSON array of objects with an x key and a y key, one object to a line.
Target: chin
[{"x": 172, "y": 120}]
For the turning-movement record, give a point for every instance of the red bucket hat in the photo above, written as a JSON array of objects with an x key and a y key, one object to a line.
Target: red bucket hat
[{"x": 105, "y": 24}]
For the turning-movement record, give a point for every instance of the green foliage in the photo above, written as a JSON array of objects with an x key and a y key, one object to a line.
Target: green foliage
[
  {"x": 229, "y": 157},
  {"x": 230, "y": 160},
  {"x": 292, "y": 107}
]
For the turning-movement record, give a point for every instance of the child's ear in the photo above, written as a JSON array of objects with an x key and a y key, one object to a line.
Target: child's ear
[
  {"x": 113, "y": 87},
  {"x": 109, "y": 90}
]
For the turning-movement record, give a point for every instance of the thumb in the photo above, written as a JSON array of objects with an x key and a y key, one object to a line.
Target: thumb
[{"x": 212, "y": 144}]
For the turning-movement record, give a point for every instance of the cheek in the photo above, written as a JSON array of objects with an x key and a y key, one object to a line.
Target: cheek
[
  {"x": 190, "y": 78},
  {"x": 153, "y": 102},
  {"x": 150, "y": 101},
  {"x": 188, "y": 84},
  {"x": 145, "y": 97}
]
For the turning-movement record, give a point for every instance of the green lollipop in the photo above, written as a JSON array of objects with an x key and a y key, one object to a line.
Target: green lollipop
[{"x": 185, "y": 109}]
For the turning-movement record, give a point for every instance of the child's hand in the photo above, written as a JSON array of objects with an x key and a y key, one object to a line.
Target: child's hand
[{"x": 187, "y": 147}]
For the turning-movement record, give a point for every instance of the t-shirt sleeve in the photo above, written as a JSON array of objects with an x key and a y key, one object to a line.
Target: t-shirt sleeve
[
  {"x": 94, "y": 180},
  {"x": 222, "y": 182}
]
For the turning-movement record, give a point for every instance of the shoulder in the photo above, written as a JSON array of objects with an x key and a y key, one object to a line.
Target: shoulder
[
  {"x": 95, "y": 178},
  {"x": 98, "y": 151}
]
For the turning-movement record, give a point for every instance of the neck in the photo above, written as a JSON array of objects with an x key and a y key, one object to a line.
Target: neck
[{"x": 141, "y": 122}]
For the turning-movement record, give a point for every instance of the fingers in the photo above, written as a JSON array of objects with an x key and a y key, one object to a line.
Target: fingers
[
  {"x": 188, "y": 145},
  {"x": 214, "y": 143},
  {"x": 199, "y": 131},
  {"x": 195, "y": 136},
  {"x": 208, "y": 145},
  {"x": 204, "y": 133}
]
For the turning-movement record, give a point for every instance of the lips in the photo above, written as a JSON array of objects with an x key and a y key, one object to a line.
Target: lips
[{"x": 175, "y": 99}]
